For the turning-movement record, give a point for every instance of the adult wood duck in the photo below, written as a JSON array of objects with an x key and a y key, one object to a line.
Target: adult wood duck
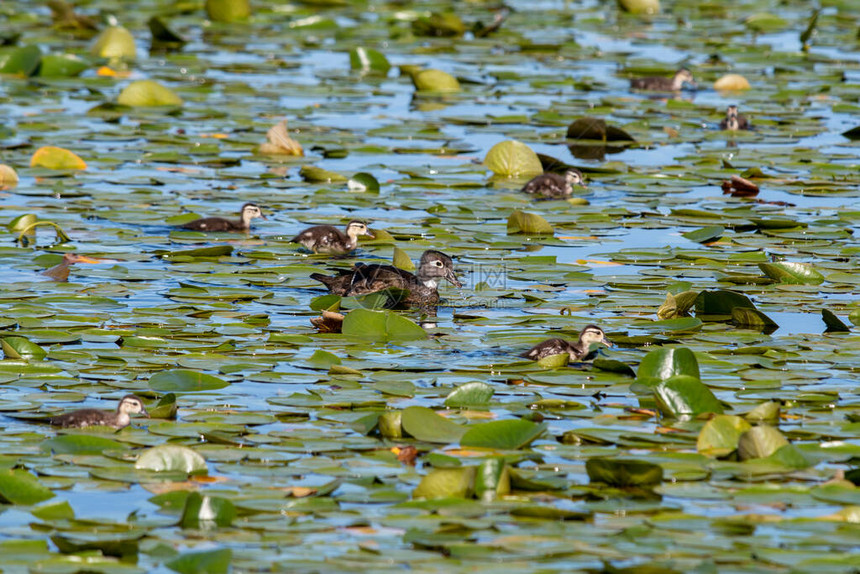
[
  {"x": 579, "y": 351},
  {"x": 734, "y": 121},
  {"x": 128, "y": 405},
  {"x": 330, "y": 239},
  {"x": 661, "y": 84},
  {"x": 419, "y": 290},
  {"x": 551, "y": 185},
  {"x": 248, "y": 212}
]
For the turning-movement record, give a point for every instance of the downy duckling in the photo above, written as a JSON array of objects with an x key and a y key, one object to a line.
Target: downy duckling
[
  {"x": 579, "y": 351},
  {"x": 128, "y": 405},
  {"x": 554, "y": 186},
  {"x": 734, "y": 121},
  {"x": 248, "y": 212},
  {"x": 661, "y": 84},
  {"x": 330, "y": 239}
]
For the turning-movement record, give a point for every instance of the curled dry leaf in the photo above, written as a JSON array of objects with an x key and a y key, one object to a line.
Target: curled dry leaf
[
  {"x": 330, "y": 322},
  {"x": 8, "y": 177},
  {"x": 279, "y": 142},
  {"x": 406, "y": 454},
  {"x": 740, "y": 187}
]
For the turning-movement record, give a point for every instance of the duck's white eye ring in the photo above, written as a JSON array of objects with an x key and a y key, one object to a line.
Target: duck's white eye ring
[{"x": 438, "y": 263}]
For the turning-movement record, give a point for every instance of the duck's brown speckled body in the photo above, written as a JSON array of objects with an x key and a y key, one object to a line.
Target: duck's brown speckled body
[
  {"x": 330, "y": 239},
  {"x": 248, "y": 212},
  {"x": 128, "y": 405},
  {"x": 554, "y": 186},
  {"x": 578, "y": 351},
  {"x": 661, "y": 84},
  {"x": 734, "y": 121},
  {"x": 421, "y": 288}
]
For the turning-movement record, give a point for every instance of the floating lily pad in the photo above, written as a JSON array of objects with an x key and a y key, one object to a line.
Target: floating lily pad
[
  {"x": 424, "y": 424},
  {"x": 513, "y": 159},
  {"x": 148, "y": 93},
  {"x": 185, "y": 381},
  {"x": 623, "y": 473},
  {"x": 502, "y": 435},
  {"x": 381, "y": 326}
]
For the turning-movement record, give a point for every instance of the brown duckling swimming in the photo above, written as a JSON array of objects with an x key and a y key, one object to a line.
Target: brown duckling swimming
[
  {"x": 661, "y": 84},
  {"x": 421, "y": 287},
  {"x": 579, "y": 351},
  {"x": 248, "y": 212},
  {"x": 128, "y": 405},
  {"x": 734, "y": 121},
  {"x": 330, "y": 239},
  {"x": 554, "y": 186}
]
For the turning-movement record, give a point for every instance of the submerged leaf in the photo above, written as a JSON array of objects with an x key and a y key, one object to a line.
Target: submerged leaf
[{"x": 623, "y": 473}]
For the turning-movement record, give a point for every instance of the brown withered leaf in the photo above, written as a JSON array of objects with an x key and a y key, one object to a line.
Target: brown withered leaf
[
  {"x": 406, "y": 454},
  {"x": 740, "y": 187},
  {"x": 330, "y": 322}
]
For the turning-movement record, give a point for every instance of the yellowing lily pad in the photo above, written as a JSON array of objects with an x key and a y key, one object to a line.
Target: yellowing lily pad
[
  {"x": 731, "y": 82},
  {"x": 52, "y": 157},
  {"x": 513, "y": 159},
  {"x": 148, "y": 93},
  {"x": 115, "y": 42}
]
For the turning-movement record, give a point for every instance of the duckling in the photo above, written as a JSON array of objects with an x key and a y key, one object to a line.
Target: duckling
[
  {"x": 329, "y": 239},
  {"x": 421, "y": 289},
  {"x": 661, "y": 84},
  {"x": 248, "y": 212},
  {"x": 128, "y": 405},
  {"x": 554, "y": 186},
  {"x": 579, "y": 351},
  {"x": 734, "y": 121}
]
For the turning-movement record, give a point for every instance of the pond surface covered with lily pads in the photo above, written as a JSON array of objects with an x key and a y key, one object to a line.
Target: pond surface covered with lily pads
[{"x": 720, "y": 433}]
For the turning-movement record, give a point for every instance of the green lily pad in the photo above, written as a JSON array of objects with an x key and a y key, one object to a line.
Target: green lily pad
[
  {"x": 684, "y": 395},
  {"x": 425, "y": 425},
  {"x": 21, "y": 348},
  {"x": 80, "y": 444},
  {"x": 665, "y": 363},
  {"x": 719, "y": 437},
  {"x": 368, "y": 60},
  {"x": 833, "y": 323},
  {"x": 204, "y": 562},
  {"x": 168, "y": 457},
  {"x": 435, "y": 81},
  {"x": 475, "y": 393},
  {"x": 381, "y": 326},
  {"x": 21, "y": 487},
  {"x": 202, "y": 511},
  {"x": 185, "y": 381},
  {"x": 446, "y": 483},
  {"x": 503, "y": 435},
  {"x": 792, "y": 273},
  {"x": 115, "y": 42},
  {"x": 23, "y": 61}
]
